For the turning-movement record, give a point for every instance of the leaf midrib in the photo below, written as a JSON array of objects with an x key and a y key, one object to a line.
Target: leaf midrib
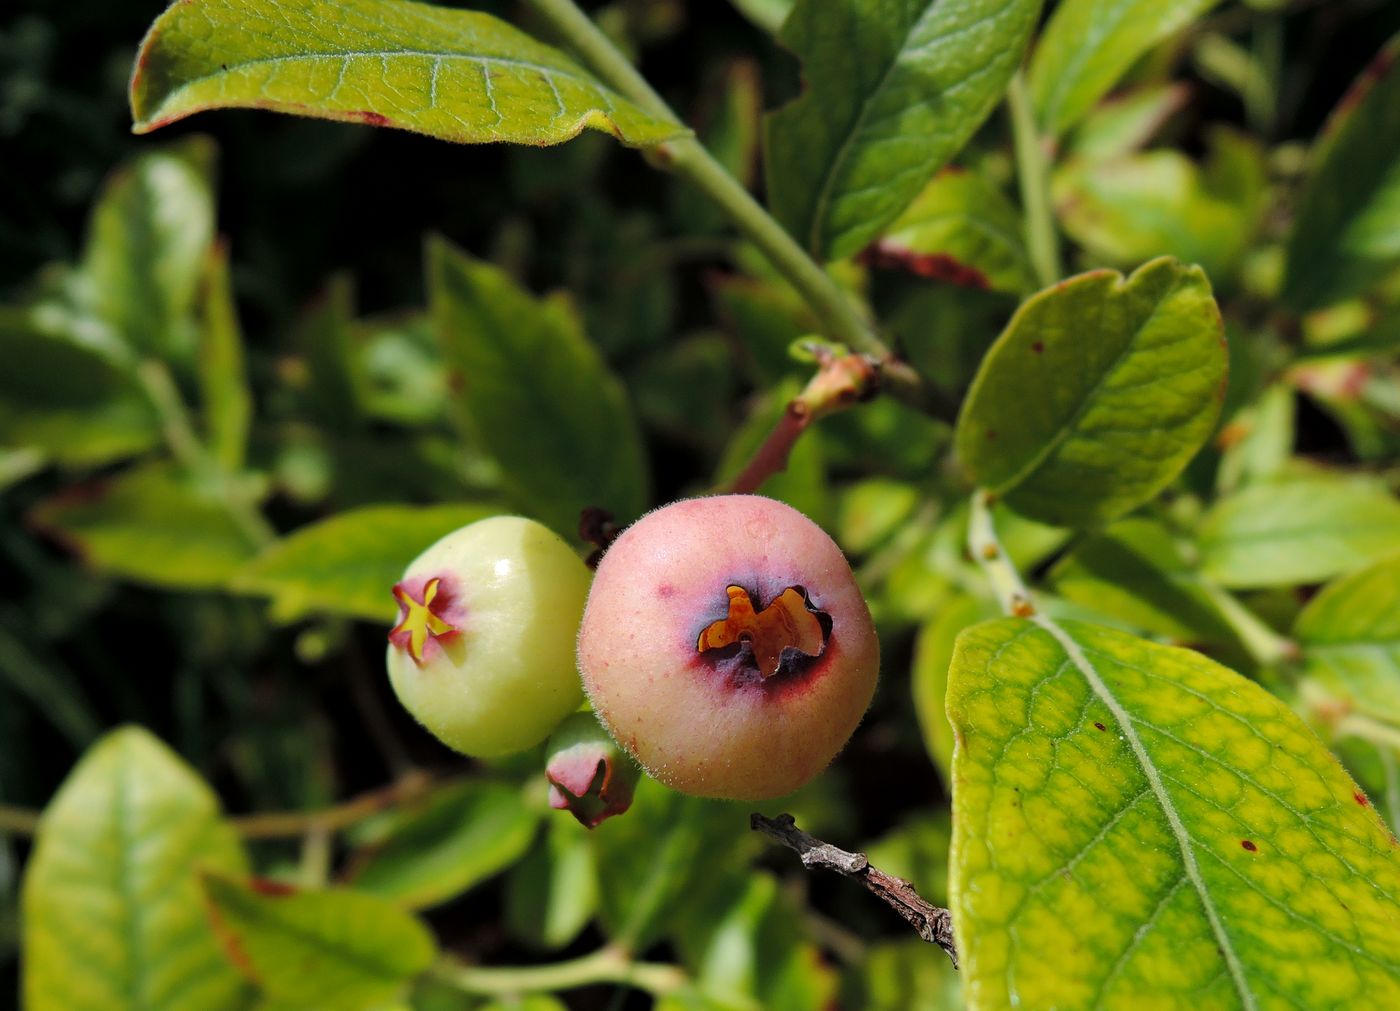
[
  {"x": 1120, "y": 715},
  {"x": 823, "y": 202},
  {"x": 385, "y": 54}
]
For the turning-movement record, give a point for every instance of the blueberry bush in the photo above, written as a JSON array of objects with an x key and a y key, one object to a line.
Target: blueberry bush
[{"x": 1075, "y": 326}]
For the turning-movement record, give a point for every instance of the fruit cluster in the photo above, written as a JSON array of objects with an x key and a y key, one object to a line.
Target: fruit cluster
[{"x": 723, "y": 643}]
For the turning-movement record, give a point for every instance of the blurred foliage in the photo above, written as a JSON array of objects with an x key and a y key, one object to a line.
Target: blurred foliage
[{"x": 254, "y": 364}]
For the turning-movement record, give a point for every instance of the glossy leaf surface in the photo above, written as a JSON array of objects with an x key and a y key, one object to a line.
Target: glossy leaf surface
[
  {"x": 452, "y": 74},
  {"x": 332, "y": 950},
  {"x": 894, "y": 90},
  {"x": 1135, "y": 824},
  {"x": 1089, "y": 44},
  {"x": 1347, "y": 233},
  {"x": 538, "y": 394},
  {"x": 1284, "y": 533},
  {"x": 1097, "y": 393},
  {"x": 112, "y": 911},
  {"x": 347, "y": 565}
]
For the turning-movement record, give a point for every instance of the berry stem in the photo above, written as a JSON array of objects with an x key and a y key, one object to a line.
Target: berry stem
[
  {"x": 1033, "y": 176},
  {"x": 840, "y": 381}
]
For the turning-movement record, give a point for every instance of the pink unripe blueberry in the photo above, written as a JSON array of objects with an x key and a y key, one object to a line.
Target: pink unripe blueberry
[
  {"x": 483, "y": 652},
  {"x": 726, "y": 645}
]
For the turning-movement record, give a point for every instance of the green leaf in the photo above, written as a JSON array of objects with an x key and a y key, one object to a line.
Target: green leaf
[
  {"x": 553, "y": 891},
  {"x": 1131, "y": 208},
  {"x": 228, "y": 405},
  {"x": 893, "y": 92},
  {"x": 1126, "y": 123},
  {"x": 330, "y": 950},
  {"x": 67, "y": 401},
  {"x": 767, "y": 14},
  {"x": 1089, "y": 44},
  {"x": 151, "y": 525},
  {"x": 456, "y": 75},
  {"x": 463, "y": 834},
  {"x": 1350, "y": 634},
  {"x": 1285, "y": 533},
  {"x": 1138, "y": 573},
  {"x": 962, "y": 229},
  {"x": 1136, "y": 825},
  {"x": 540, "y": 398},
  {"x": 933, "y": 653},
  {"x": 111, "y": 906},
  {"x": 348, "y": 564},
  {"x": 1347, "y": 232},
  {"x": 757, "y": 952},
  {"x": 147, "y": 241},
  {"x": 1097, "y": 393},
  {"x": 670, "y": 853}
]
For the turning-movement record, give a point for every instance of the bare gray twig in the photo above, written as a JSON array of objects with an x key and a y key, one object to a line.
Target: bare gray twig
[{"x": 933, "y": 923}]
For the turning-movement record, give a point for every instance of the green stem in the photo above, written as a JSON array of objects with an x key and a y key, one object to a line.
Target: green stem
[
  {"x": 1265, "y": 646},
  {"x": 608, "y": 965},
  {"x": 689, "y": 158},
  {"x": 1032, "y": 172},
  {"x": 169, "y": 406},
  {"x": 193, "y": 455},
  {"x": 986, "y": 549}
]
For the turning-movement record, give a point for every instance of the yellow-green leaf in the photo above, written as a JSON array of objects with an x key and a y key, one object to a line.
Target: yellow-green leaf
[
  {"x": 456, "y": 75},
  {"x": 1097, "y": 393},
  {"x": 330, "y": 950},
  {"x": 111, "y": 902},
  {"x": 348, "y": 564},
  {"x": 962, "y": 229},
  {"x": 153, "y": 525},
  {"x": 1136, "y": 825},
  {"x": 1350, "y": 634}
]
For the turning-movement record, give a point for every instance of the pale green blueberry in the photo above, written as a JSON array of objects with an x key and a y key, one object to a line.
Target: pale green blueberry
[{"x": 483, "y": 652}]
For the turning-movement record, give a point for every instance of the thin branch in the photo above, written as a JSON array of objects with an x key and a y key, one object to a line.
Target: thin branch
[
  {"x": 607, "y": 965},
  {"x": 293, "y": 824},
  {"x": 18, "y": 821},
  {"x": 933, "y": 923},
  {"x": 840, "y": 381}
]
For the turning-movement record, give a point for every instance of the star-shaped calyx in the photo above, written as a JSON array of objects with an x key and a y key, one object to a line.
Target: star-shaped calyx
[
  {"x": 788, "y": 622},
  {"x": 419, "y": 621}
]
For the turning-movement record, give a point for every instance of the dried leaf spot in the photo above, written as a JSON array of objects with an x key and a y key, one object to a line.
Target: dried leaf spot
[
  {"x": 1249, "y": 845},
  {"x": 786, "y": 623},
  {"x": 1361, "y": 799},
  {"x": 1099, "y": 726},
  {"x": 418, "y": 621}
]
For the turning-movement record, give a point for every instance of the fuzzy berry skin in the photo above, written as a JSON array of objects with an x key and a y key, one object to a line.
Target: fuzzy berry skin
[
  {"x": 707, "y": 721},
  {"x": 482, "y": 654}
]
